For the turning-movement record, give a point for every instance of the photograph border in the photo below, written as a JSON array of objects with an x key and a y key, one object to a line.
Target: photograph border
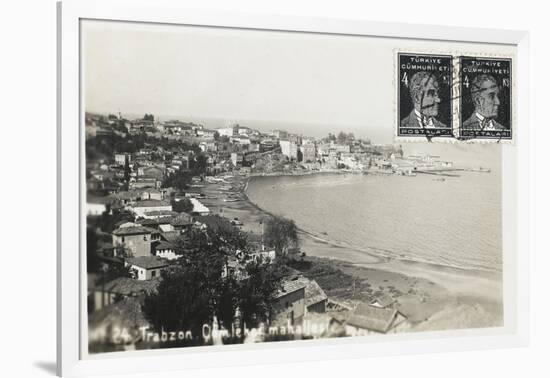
[{"x": 70, "y": 166}]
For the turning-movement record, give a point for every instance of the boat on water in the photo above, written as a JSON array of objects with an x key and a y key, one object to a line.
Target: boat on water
[
  {"x": 231, "y": 199},
  {"x": 481, "y": 169}
]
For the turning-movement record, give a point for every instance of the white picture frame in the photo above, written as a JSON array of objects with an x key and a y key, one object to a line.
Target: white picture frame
[{"x": 514, "y": 333}]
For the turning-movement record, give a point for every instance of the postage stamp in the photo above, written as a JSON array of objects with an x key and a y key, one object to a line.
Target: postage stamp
[
  {"x": 486, "y": 98},
  {"x": 424, "y": 95}
]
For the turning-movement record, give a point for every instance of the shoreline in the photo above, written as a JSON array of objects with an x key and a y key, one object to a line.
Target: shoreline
[
  {"x": 441, "y": 297},
  {"x": 375, "y": 255}
]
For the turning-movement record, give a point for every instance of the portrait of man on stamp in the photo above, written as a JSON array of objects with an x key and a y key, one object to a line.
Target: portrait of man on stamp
[
  {"x": 485, "y": 98},
  {"x": 424, "y": 95},
  {"x": 424, "y": 90}
]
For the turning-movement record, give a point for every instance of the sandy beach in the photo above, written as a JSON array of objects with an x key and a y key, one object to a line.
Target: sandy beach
[{"x": 433, "y": 297}]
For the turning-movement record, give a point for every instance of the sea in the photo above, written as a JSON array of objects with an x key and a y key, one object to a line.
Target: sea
[{"x": 454, "y": 222}]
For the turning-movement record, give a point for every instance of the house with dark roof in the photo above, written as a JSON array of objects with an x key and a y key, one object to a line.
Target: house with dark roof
[
  {"x": 182, "y": 222},
  {"x": 315, "y": 297},
  {"x": 146, "y": 267},
  {"x": 127, "y": 197},
  {"x": 152, "y": 222},
  {"x": 290, "y": 306},
  {"x": 366, "y": 319},
  {"x": 135, "y": 239}
]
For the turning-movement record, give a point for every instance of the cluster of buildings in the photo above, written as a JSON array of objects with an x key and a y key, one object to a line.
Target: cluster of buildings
[
  {"x": 237, "y": 146},
  {"x": 249, "y": 150}
]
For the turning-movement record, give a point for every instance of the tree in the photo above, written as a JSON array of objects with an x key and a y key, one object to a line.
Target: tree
[
  {"x": 179, "y": 180},
  {"x": 195, "y": 290},
  {"x": 92, "y": 260},
  {"x": 227, "y": 300},
  {"x": 198, "y": 164},
  {"x": 107, "y": 222},
  {"x": 127, "y": 169},
  {"x": 115, "y": 270},
  {"x": 341, "y": 138},
  {"x": 183, "y": 205},
  {"x": 182, "y": 300},
  {"x": 257, "y": 291},
  {"x": 299, "y": 156},
  {"x": 281, "y": 234}
]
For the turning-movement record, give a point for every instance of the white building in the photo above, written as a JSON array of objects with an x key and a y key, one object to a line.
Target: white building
[
  {"x": 198, "y": 207},
  {"x": 120, "y": 159},
  {"x": 141, "y": 208},
  {"x": 289, "y": 149},
  {"x": 146, "y": 267},
  {"x": 165, "y": 250},
  {"x": 225, "y": 131},
  {"x": 240, "y": 139}
]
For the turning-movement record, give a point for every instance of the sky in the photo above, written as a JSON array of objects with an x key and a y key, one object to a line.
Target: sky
[{"x": 306, "y": 83}]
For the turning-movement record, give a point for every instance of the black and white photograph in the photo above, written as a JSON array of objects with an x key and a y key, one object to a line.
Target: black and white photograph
[{"x": 245, "y": 186}]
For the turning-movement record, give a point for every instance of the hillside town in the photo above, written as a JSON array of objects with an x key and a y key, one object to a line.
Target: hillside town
[{"x": 159, "y": 196}]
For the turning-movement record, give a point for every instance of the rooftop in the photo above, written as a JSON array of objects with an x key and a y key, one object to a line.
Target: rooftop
[
  {"x": 182, "y": 219},
  {"x": 160, "y": 213},
  {"x": 155, "y": 221},
  {"x": 136, "y": 230},
  {"x": 314, "y": 292},
  {"x": 147, "y": 262},
  {"x": 163, "y": 245},
  {"x": 129, "y": 287},
  {"x": 290, "y": 286},
  {"x": 152, "y": 203},
  {"x": 372, "y": 318},
  {"x": 148, "y": 222},
  {"x": 383, "y": 300},
  {"x": 171, "y": 236}
]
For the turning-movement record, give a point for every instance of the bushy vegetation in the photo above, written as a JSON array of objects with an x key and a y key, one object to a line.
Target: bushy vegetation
[{"x": 200, "y": 287}]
